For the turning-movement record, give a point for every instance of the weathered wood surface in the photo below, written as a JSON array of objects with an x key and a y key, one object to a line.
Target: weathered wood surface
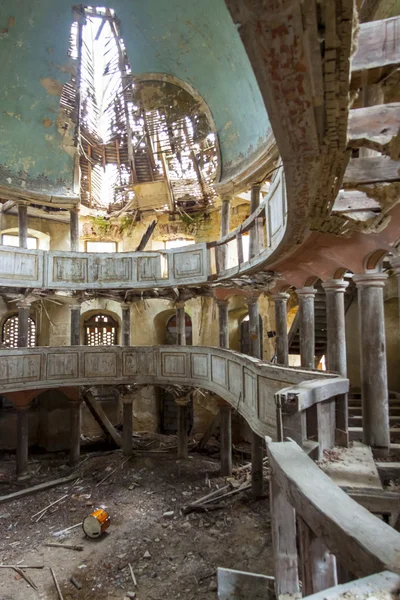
[
  {"x": 378, "y": 502},
  {"x": 239, "y": 585},
  {"x": 86, "y": 270},
  {"x": 372, "y": 169},
  {"x": 299, "y": 397},
  {"x": 358, "y": 539},
  {"x": 101, "y": 418},
  {"x": 381, "y": 585},
  {"x": 375, "y": 127},
  {"x": 377, "y": 49},
  {"x": 317, "y": 564},
  {"x": 353, "y": 201},
  {"x": 247, "y": 383}
]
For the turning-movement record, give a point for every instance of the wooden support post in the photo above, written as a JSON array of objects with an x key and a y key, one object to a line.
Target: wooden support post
[
  {"x": 374, "y": 386},
  {"x": 225, "y": 221},
  {"x": 257, "y": 457},
  {"x": 75, "y": 431},
  {"x": 318, "y": 565},
  {"x": 395, "y": 262},
  {"x": 336, "y": 351},
  {"x": 255, "y": 346},
  {"x": 223, "y": 323},
  {"x": 23, "y": 224},
  {"x": 127, "y": 401},
  {"x": 24, "y": 307},
  {"x": 283, "y": 523},
  {"x": 74, "y": 229},
  {"x": 182, "y": 433},
  {"x": 226, "y": 439},
  {"x": 126, "y": 325},
  {"x": 180, "y": 324},
  {"x": 22, "y": 442},
  {"x": 306, "y": 297},
  {"x": 254, "y": 232},
  {"x": 75, "y": 333},
  {"x": 282, "y": 347}
]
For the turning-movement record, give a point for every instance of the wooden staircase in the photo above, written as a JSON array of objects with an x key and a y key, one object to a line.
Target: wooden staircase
[{"x": 355, "y": 417}]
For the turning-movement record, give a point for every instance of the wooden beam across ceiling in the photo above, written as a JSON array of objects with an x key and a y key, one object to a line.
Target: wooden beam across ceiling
[
  {"x": 376, "y": 127},
  {"x": 372, "y": 169},
  {"x": 377, "y": 52}
]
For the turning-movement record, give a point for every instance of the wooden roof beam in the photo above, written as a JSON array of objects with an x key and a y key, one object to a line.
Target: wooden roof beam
[{"x": 377, "y": 128}]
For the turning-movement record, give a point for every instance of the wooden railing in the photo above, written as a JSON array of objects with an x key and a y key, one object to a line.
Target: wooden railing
[
  {"x": 247, "y": 383},
  {"x": 320, "y": 534},
  {"x": 190, "y": 265}
]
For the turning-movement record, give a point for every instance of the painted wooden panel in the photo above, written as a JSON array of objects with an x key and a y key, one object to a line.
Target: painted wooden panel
[
  {"x": 199, "y": 364},
  {"x": 21, "y": 267},
  {"x": 219, "y": 373},
  {"x": 62, "y": 366},
  {"x": 267, "y": 389},
  {"x": 189, "y": 263},
  {"x": 100, "y": 364},
  {"x": 173, "y": 365},
  {"x": 112, "y": 269},
  {"x": 250, "y": 395},
  {"x": 20, "y": 368},
  {"x": 235, "y": 379},
  {"x": 149, "y": 268}
]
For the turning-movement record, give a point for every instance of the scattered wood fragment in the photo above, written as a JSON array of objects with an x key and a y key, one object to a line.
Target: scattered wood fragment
[
  {"x": 132, "y": 575},
  {"x": 37, "y": 488},
  {"x": 210, "y": 495},
  {"x": 44, "y": 510},
  {"x": 22, "y": 566},
  {"x": 26, "y": 577},
  {"x": 77, "y": 547},
  {"x": 206, "y": 503},
  {"x": 59, "y": 533},
  {"x": 60, "y": 596},
  {"x": 113, "y": 471},
  {"x": 76, "y": 583},
  {"x": 146, "y": 236}
]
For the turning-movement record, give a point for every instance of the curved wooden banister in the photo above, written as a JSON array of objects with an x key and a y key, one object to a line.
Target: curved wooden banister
[{"x": 247, "y": 383}]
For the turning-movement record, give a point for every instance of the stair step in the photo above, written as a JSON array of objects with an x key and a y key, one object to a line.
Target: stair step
[
  {"x": 356, "y": 420},
  {"x": 356, "y": 434}
]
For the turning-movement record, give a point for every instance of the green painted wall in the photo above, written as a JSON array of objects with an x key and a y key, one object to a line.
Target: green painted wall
[{"x": 194, "y": 40}]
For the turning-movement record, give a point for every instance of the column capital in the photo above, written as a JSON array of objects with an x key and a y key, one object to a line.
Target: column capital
[
  {"x": 126, "y": 305},
  {"x": 180, "y": 304},
  {"x": 75, "y": 209},
  {"x": 183, "y": 401},
  {"x": 22, "y": 202},
  {"x": 24, "y": 303},
  {"x": 252, "y": 298},
  {"x": 224, "y": 302},
  {"x": 127, "y": 398},
  {"x": 280, "y": 296},
  {"x": 335, "y": 285},
  {"x": 370, "y": 280},
  {"x": 226, "y": 198},
  {"x": 306, "y": 292}
]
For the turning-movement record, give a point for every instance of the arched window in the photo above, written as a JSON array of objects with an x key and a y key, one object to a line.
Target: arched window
[
  {"x": 171, "y": 330},
  {"x": 101, "y": 330},
  {"x": 9, "y": 334}
]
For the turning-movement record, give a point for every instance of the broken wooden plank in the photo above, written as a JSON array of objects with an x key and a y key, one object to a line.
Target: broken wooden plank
[
  {"x": 359, "y": 540},
  {"x": 239, "y": 585},
  {"x": 378, "y": 502},
  {"x": 355, "y": 201},
  {"x": 372, "y": 169},
  {"x": 60, "y": 596},
  {"x": 376, "y": 128},
  {"x": 100, "y": 416},
  {"x": 380, "y": 585},
  {"x": 37, "y": 488},
  {"x": 377, "y": 52},
  {"x": 77, "y": 547},
  {"x": 146, "y": 236},
  {"x": 297, "y": 398}
]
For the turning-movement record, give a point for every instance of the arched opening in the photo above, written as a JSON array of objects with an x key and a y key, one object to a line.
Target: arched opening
[
  {"x": 171, "y": 330},
  {"x": 100, "y": 330},
  {"x": 244, "y": 337},
  {"x": 9, "y": 332}
]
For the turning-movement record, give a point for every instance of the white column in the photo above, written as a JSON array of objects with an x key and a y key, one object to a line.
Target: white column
[
  {"x": 306, "y": 297},
  {"x": 126, "y": 325},
  {"x": 225, "y": 222},
  {"x": 74, "y": 229},
  {"x": 180, "y": 324},
  {"x": 24, "y": 307},
  {"x": 75, "y": 333},
  {"x": 223, "y": 323},
  {"x": 374, "y": 385},
  {"x": 23, "y": 224},
  {"x": 282, "y": 347},
  {"x": 336, "y": 350},
  {"x": 254, "y": 204}
]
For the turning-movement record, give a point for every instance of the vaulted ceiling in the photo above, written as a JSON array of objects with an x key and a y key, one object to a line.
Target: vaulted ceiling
[{"x": 194, "y": 41}]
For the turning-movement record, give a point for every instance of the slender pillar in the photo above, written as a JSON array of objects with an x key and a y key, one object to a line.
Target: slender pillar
[
  {"x": 75, "y": 334},
  {"x": 282, "y": 346},
  {"x": 74, "y": 229},
  {"x": 180, "y": 324},
  {"x": 126, "y": 325},
  {"x": 22, "y": 442},
  {"x": 225, "y": 222},
  {"x": 182, "y": 406},
  {"x": 336, "y": 351},
  {"x": 23, "y": 225},
  {"x": 307, "y": 327},
  {"x": 395, "y": 262},
  {"x": 254, "y": 204},
  {"x": 225, "y": 412},
  {"x": 257, "y": 453},
  {"x": 23, "y": 323},
  {"x": 127, "y": 425},
  {"x": 223, "y": 323},
  {"x": 75, "y": 431},
  {"x": 374, "y": 386}
]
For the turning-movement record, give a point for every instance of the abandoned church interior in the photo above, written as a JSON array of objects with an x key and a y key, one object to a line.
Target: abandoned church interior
[{"x": 199, "y": 300}]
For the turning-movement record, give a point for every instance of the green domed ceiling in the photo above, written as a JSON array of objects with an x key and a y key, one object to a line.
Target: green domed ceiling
[{"x": 194, "y": 41}]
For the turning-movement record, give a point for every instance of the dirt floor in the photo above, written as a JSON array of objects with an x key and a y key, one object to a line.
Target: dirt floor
[{"x": 172, "y": 556}]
